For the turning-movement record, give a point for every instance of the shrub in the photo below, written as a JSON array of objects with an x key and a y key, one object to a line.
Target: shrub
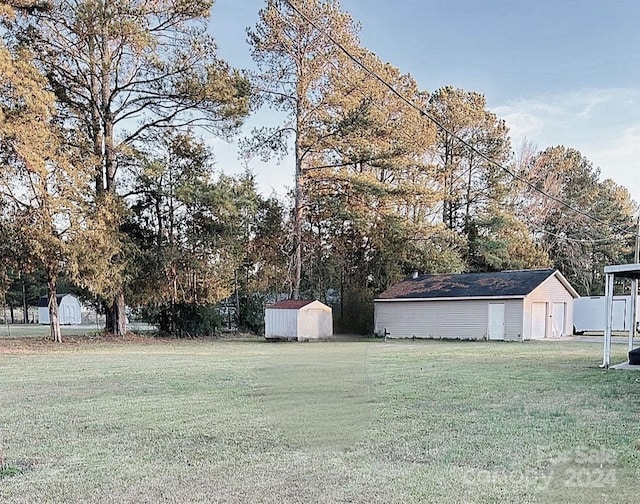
[
  {"x": 251, "y": 314},
  {"x": 188, "y": 320}
]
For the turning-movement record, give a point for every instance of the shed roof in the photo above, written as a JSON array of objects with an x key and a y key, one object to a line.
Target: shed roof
[
  {"x": 43, "y": 302},
  {"x": 516, "y": 283},
  {"x": 290, "y": 304}
]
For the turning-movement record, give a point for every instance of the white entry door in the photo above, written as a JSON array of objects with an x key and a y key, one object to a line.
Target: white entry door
[
  {"x": 558, "y": 319},
  {"x": 496, "y": 321},
  {"x": 538, "y": 320}
]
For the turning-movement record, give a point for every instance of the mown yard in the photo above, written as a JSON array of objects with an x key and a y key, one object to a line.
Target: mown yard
[{"x": 201, "y": 421}]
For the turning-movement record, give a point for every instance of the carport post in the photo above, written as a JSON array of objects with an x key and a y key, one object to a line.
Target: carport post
[
  {"x": 634, "y": 309},
  {"x": 634, "y": 289},
  {"x": 608, "y": 296}
]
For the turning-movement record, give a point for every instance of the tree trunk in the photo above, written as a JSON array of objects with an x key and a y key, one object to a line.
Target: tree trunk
[
  {"x": 108, "y": 317},
  {"x": 297, "y": 214},
  {"x": 297, "y": 241},
  {"x": 54, "y": 321},
  {"x": 25, "y": 307},
  {"x": 116, "y": 319}
]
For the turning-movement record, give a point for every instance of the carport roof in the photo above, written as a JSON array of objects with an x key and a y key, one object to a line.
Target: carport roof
[
  {"x": 515, "y": 283},
  {"x": 624, "y": 270}
]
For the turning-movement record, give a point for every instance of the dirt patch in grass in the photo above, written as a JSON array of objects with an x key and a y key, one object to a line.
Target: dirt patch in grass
[
  {"x": 30, "y": 345},
  {"x": 21, "y": 345}
]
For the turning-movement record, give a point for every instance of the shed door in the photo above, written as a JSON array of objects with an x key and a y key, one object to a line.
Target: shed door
[
  {"x": 558, "y": 319},
  {"x": 68, "y": 316},
  {"x": 313, "y": 323},
  {"x": 538, "y": 320},
  {"x": 496, "y": 321}
]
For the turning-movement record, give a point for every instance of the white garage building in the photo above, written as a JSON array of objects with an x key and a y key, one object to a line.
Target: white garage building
[
  {"x": 507, "y": 305},
  {"x": 300, "y": 320}
]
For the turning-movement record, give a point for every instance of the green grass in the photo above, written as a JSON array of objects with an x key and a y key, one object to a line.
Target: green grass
[{"x": 366, "y": 422}]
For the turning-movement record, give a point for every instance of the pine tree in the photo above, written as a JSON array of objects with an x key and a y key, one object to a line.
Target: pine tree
[{"x": 294, "y": 56}]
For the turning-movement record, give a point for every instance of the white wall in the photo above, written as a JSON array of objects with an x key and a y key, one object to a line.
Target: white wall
[
  {"x": 280, "y": 324},
  {"x": 449, "y": 319},
  {"x": 549, "y": 292},
  {"x": 315, "y": 322},
  {"x": 589, "y": 313},
  {"x": 70, "y": 311},
  {"x": 43, "y": 315}
]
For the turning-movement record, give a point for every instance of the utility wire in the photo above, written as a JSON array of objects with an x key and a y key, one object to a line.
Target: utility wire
[
  {"x": 443, "y": 128},
  {"x": 584, "y": 241}
]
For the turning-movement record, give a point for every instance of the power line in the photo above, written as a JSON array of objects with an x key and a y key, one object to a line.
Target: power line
[
  {"x": 582, "y": 241},
  {"x": 443, "y": 128}
]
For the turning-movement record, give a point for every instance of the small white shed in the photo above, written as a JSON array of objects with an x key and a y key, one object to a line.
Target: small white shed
[
  {"x": 506, "y": 305},
  {"x": 69, "y": 309},
  {"x": 300, "y": 320}
]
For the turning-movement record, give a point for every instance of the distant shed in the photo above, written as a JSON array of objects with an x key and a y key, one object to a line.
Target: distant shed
[
  {"x": 506, "y": 305},
  {"x": 69, "y": 309},
  {"x": 300, "y": 320}
]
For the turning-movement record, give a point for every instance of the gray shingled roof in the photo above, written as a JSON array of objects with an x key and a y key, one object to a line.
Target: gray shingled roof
[
  {"x": 499, "y": 284},
  {"x": 44, "y": 300}
]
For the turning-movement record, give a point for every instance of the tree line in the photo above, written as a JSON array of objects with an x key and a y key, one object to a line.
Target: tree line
[{"x": 109, "y": 187}]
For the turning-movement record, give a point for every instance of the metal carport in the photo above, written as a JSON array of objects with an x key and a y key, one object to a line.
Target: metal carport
[{"x": 631, "y": 271}]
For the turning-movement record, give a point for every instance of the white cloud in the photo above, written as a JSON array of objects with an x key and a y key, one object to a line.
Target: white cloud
[
  {"x": 603, "y": 124},
  {"x": 619, "y": 159},
  {"x": 521, "y": 124}
]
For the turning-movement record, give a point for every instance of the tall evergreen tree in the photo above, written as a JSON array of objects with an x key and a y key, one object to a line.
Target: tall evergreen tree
[
  {"x": 294, "y": 57},
  {"x": 467, "y": 181}
]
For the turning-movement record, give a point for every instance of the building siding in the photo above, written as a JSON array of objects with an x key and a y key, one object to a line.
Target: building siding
[
  {"x": 514, "y": 320},
  {"x": 549, "y": 292},
  {"x": 451, "y": 319},
  {"x": 281, "y": 324},
  {"x": 315, "y": 323}
]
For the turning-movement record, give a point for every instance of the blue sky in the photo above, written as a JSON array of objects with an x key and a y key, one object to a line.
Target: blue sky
[{"x": 560, "y": 72}]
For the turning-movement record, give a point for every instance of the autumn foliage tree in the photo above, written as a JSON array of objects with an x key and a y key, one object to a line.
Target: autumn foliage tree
[
  {"x": 123, "y": 69},
  {"x": 41, "y": 184},
  {"x": 583, "y": 223}
]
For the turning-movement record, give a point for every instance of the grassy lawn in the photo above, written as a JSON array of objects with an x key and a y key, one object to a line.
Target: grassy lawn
[{"x": 366, "y": 422}]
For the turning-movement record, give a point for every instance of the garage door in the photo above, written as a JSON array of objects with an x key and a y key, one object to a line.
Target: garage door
[
  {"x": 539, "y": 321},
  {"x": 558, "y": 319}
]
